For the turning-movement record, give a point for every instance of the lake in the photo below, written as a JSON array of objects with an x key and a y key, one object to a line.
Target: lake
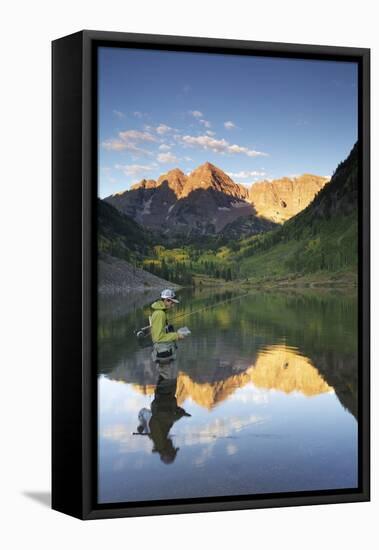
[{"x": 262, "y": 397}]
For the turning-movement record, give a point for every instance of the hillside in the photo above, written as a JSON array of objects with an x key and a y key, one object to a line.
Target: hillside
[
  {"x": 122, "y": 244},
  {"x": 119, "y": 235},
  {"x": 323, "y": 237},
  {"x": 244, "y": 227}
]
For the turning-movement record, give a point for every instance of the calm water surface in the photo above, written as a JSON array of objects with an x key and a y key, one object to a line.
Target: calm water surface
[{"x": 262, "y": 398}]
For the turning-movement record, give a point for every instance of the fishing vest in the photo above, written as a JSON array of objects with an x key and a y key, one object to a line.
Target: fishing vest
[{"x": 163, "y": 352}]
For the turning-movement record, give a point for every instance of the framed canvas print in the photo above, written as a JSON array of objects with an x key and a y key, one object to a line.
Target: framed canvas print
[{"x": 210, "y": 274}]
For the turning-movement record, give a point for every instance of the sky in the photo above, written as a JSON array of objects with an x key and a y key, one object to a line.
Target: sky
[{"x": 254, "y": 117}]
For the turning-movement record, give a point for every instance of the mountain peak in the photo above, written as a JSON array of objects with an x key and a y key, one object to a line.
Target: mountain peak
[
  {"x": 208, "y": 167},
  {"x": 175, "y": 179},
  {"x": 209, "y": 176},
  {"x": 144, "y": 184},
  {"x": 204, "y": 176},
  {"x": 176, "y": 171}
]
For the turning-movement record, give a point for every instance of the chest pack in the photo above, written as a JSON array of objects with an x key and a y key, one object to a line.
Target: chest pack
[{"x": 164, "y": 352}]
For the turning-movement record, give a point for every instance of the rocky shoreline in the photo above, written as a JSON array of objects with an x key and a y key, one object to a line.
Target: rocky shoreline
[{"x": 116, "y": 276}]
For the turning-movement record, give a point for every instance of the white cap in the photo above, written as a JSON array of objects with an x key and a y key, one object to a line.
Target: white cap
[{"x": 169, "y": 294}]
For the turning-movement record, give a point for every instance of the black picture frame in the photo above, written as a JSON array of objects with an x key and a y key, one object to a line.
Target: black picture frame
[{"x": 74, "y": 166}]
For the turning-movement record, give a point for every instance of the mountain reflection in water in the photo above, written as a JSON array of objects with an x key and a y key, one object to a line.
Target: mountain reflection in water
[
  {"x": 277, "y": 367},
  {"x": 265, "y": 389}
]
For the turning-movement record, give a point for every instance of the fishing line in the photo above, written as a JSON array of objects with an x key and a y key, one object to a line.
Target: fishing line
[
  {"x": 208, "y": 307},
  {"x": 141, "y": 332}
]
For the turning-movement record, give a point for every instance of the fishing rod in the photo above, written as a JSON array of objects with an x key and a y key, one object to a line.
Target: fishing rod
[{"x": 145, "y": 330}]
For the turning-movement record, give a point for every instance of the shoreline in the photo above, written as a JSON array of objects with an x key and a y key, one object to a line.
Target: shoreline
[{"x": 348, "y": 281}]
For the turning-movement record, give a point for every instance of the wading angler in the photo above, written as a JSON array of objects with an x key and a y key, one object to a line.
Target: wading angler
[{"x": 163, "y": 335}]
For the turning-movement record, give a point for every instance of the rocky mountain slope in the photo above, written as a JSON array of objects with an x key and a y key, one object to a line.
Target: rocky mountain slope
[
  {"x": 116, "y": 276},
  {"x": 244, "y": 226},
  {"x": 279, "y": 200},
  {"x": 207, "y": 200}
]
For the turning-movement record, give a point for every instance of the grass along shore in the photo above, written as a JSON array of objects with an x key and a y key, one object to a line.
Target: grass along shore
[{"x": 317, "y": 279}]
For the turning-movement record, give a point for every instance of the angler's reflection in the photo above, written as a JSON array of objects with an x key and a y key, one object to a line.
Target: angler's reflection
[{"x": 157, "y": 422}]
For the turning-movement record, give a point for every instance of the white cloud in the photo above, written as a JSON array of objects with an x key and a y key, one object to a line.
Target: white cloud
[
  {"x": 237, "y": 149},
  {"x": 136, "y": 135},
  {"x": 114, "y": 145},
  {"x": 213, "y": 430},
  {"x": 218, "y": 145},
  {"x": 166, "y": 158},
  {"x": 249, "y": 152},
  {"x": 206, "y": 142},
  {"x": 229, "y": 125},
  {"x": 164, "y": 147},
  {"x": 119, "y": 114},
  {"x": 127, "y": 140},
  {"x": 231, "y": 449},
  {"x": 205, "y": 123},
  {"x": 163, "y": 129},
  {"x": 139, "y": 114},
  {"x": 120, "y": 145},
  {"x": 244, "y": 174},
  {"x": 210, "y": 133},
  {"x": 133, "y": 169},
  {"x": 196, "y": 114}
]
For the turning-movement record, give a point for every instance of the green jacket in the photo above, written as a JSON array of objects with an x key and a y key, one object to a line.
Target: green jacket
[{"x": 158, "y": 324}]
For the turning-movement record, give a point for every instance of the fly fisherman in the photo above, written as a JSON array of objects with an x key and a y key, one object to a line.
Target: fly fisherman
[{"x": 163, "y": 335}]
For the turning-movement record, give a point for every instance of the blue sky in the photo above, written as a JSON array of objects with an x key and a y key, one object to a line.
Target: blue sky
[{"x": 254, "y": 117}]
